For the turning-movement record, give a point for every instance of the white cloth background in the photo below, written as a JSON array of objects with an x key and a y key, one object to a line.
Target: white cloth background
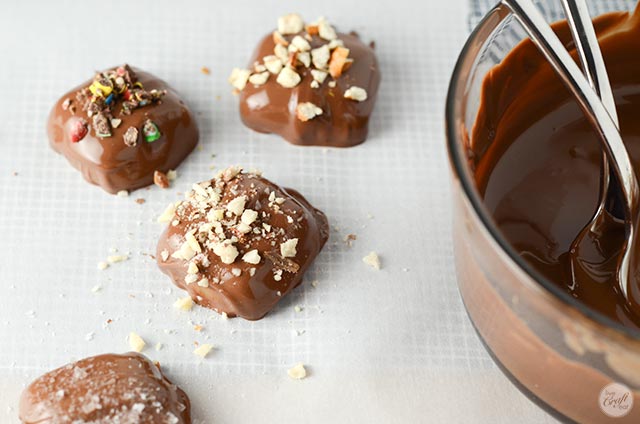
[{"x": 393, "y": 346}]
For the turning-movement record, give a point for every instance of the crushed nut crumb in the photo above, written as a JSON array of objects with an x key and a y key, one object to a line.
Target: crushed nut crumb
[
  {"x": 160, "y": 179},
  {"x": 373, "y": 260},
  {"x": 307, "y": 111},
  {"x": 203, "y": 350},
  {"x": 356, "y": 93},
  {"x": 136, "y": 343},
  {"x": 297, "y": 372}
]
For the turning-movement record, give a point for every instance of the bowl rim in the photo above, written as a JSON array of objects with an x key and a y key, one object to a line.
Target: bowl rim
[{"x": 459, "y": 168}]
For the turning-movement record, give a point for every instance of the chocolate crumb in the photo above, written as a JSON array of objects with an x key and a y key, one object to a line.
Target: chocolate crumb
[
  {"x": 131, "y": 136},
  {"x": 160, "y": 179}
]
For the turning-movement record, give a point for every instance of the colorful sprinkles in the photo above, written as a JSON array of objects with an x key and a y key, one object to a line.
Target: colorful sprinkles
[{"x": 99, "y": 101}]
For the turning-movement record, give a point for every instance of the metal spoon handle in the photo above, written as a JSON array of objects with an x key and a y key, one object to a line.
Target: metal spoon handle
[
  {"x": 548, "y": 42},
  {"x": 587, "y": 45}
]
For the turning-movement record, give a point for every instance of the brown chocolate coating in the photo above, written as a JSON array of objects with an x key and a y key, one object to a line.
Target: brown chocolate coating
[
  {"x": 105, "y": 389},
  {"x": 537, "y": 161},
  {"x": 240, "y": 288},
  {"x": 109, "y": 162},
  {"x": 271, "y": 108}
]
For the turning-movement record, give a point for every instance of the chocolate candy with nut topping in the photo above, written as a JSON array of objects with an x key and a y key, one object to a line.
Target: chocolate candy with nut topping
[
  {"x": 239, "y": 243},
  {"x": 121, "y": 127},
  {"x": 309, "y": 84},
  {"x": 105, "y": 389}
]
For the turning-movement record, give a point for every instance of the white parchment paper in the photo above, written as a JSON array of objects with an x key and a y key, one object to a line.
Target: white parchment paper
[{"x": 393, "y": 346}]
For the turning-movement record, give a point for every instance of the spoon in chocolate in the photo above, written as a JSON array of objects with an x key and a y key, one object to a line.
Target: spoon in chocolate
[
  {"x": 597, "y": 113},
  {"x": 589, "y": 258}
]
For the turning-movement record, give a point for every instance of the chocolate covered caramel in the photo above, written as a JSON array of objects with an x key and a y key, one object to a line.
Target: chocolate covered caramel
[
  {"x": 105, "y": 389},
  {"x": 309, "y": 84},
  {"x": 537, "y": 163},
  {"x": 240, "y": 243},
  {"x": 120, "y": 127}
]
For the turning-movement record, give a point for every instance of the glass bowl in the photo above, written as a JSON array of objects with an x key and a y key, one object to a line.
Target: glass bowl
[{"x": 576, "y": 363}]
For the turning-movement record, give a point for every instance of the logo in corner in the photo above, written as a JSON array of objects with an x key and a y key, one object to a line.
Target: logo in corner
[{"x": 616, "y": 400}]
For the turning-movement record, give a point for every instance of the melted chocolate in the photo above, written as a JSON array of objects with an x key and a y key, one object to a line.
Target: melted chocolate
[
  {"x": 108, "y": 388},
  {"x": 109, "y": 162},
  {"x": 241, "y": 288},
  {"x": 271, "y": 108},
  {"x": 537, "y": 160}
]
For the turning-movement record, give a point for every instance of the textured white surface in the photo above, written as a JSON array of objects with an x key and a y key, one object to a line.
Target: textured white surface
[{"x": 381, "y": 347}]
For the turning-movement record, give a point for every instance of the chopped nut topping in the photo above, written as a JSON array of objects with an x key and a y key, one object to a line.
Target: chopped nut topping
[
  {"x": 312, "y": 29},
  {"x": 307, "y": 111},
  {"x": 273, "y": 64},
  {"x": 236, "y": 206},
  {"x": 239, "y": 77},
  {"x": 164, "y": 255},
  {"x": 279, "y": 39},
  {"x": 249, "y": 216},
  {"x": 227, "y": 252},
  {"x": 326, "y": 31},
  {"x": 281, "y": 53},
  {"x": 252, "y": 257},
  {"x": 288, "y": 248},
  {"x": 335, "y": 43},
  {"x": 160, "y": 179},
  {"x": 172, "y": 174},
  {"x": 320, "y": 57},
  {"x": 103, "y": 265},
  {"x": 123, "y": 193},
  {"x": 192, "y": 268},
  {"x": 204, "y": 282},
  {"x": 184, "y": 303},
  {"x": 203, "y": 350},
  {"x": 193, "y": 243},
  {"x": 136, "y": 343},
  {"x": 338, "y": 60},
  {"x": 230, "y": 173},
  {"x": 356, "y": 93},
  {"x": 298, "y": 372},
  {"x": 185, "y": 252},
  {"x": 373, "y": 260},
  {"x": 288, "y": 78},
  {"x": 290, "y": 24},
  {"x": 259, "y": 79},
  {"x": 168, "y": 214},
  {"x": 304, "y": 59},
  {"x": 299, "y": 44}
]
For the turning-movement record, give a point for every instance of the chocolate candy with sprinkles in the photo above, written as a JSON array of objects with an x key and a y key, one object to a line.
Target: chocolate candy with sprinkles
[{"x": 99, "y": 127}]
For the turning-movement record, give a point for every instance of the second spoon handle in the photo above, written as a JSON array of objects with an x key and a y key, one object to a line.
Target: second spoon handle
[{"x": 587, "y": 46}]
